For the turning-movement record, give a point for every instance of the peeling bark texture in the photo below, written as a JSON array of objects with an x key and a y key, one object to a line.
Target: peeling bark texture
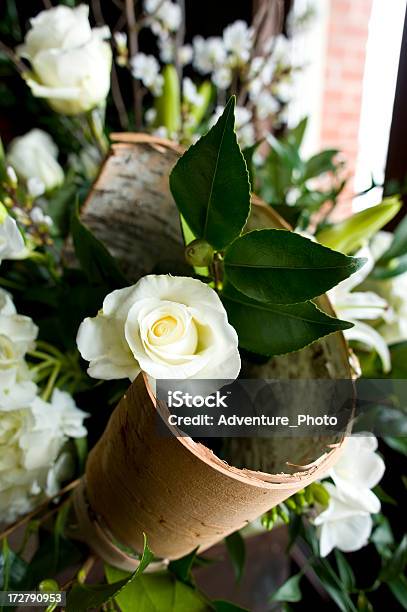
[{"x": 131, "y": 210}]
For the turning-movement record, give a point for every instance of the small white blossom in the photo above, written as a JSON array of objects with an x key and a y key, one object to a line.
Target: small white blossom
[
  {"x": 190, "y": 92},
  {"x": 167, "y": 49},
  {"x": 146, "y": 69},
  {"x": 11, "y": 175},
  {"x": 120, "y": 38},
  {"x": 222, "y": 77},
  {"x": 266, "y": 105},
  {"x": 185, "y": 54},
  {"x": 238, "y": 40},
  {"x": 169, "y": 15},
  {"x": 150, "y": 116},
  {"x": 38, "y": 216},
  {"x": 35, "y": 187},
  {"x": 209, "y": 54}
]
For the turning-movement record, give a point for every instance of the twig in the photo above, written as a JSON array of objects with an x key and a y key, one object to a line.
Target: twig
[
  {"x": 20, "y": 66},
  {"x": 38, "y": 510},
  {"x": 180, "y": 37},
  {"x": 47, "y": 4},
  {"x": 118, "y": 100},
  {"x": 82, "y": 573},
  {"x": 133, "y": 46},
  {"x": 97, "y": 12}
]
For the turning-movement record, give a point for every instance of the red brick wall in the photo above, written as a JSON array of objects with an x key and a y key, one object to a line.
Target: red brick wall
[{"x": 342, "y": 96}]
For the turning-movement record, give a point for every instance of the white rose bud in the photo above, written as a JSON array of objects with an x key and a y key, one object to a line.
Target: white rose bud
[
  {"x": 34, "y": 156},
  {"x": 169, "y": 327},
  {"x": 71, "y": 62},
  {"x": 11, "y": 241}
]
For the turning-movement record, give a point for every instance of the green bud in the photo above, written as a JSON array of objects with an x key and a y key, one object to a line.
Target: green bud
[
  {"x": 199, "y": 253},
  {"x": 48, "y": 585},
  {"x": 320, "y": 494}
]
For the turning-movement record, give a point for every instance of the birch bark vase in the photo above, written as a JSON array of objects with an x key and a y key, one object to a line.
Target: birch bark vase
[{"x": 173, "y": 489}]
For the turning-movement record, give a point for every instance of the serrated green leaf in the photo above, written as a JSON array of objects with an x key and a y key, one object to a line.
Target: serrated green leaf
[
  {"x": 280, "y": 267},
  {"x": 237, "y": 551},
  {"x": 269, "y": 329},
  {"x": 96, "y": 261},
  {"x": 210, "y": 184},
  {"x": 290, "y": 591},
  {"x": 160, "y": 592},
  {"x": 82, "y": 597},
  {"x": 348, "y": 235}
]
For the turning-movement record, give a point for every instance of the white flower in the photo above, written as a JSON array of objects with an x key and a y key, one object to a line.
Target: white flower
[
  {"x": 190, "y": 92},
  {"x": 150, "y": 116},
  {"x": 208, "y": 54},
  {"x": 35, "y": 187},
  {"x": 266, "y": 104},
  {"x": 167, "y": 49},
  {"x": 71, "y": 62},
  {"x": 38, "y": 216},
  {"x": 169, "y": 14},
  {"x": 366, "y": 305},
  {"x": 238, "y": 40},
  {"x": 17, "y": 336},
  {"x": 169, "y": 327},
  {"x": 185, "y": 54},
  {"x": 222, "y": 77},
  {"x": 34, "y": 155},
  {"x": 11, "y": 175},
  {"x": 11, "y": 241},
  {"x": 146, "y": 69},
  {"x": 32, "y": 460},
  {"x": 345, "y": 524},
  {"x": 120, "y": 38}
]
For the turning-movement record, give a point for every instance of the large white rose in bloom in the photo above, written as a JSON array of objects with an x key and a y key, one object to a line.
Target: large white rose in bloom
[
  {"x": 11, "y": 241},
  {"x": 34, "y": 156},
  {"x": 33, "y": 460},
  {"x": 346, "y": 523},
  {"x": 71, "y": 62},
  {"x": 169, "y": 327}
]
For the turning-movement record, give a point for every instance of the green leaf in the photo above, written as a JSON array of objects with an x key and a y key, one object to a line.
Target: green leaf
[
  {"x": 345, "y": 571},
  {"x": 198, "y": 111},
  {"x": 96, "y": 261},
  {"x": 398, "y": 246},
  {"x": 395, "y": 566},
  {"x": 394, "y": 267},
  {"x": 168, "y": 105},
  {"x": 181, "y": 568},
  {"x": 237, "y": 551},
  {"x": 269, "y": 329},
  {"x": 295, "y": 136},
  {"x": 160, "y": 592},
  {"x": 280, "y": 267},
  {"x": 382, "y": 537},
  {"x": 220, "y": 605},
  {"x": 398, "y": 587},
  {"x": 84, "y": 596},
  {"x": 333, "y": 585},
  {"x": 348, "y": 235},
  {"x": 290, "y": 591},
  {"x": 397, "y": 444},
  {"x": 319, "y": 164},
  {"x": 49, "y": 561},
  {"x": 210, "y": 184}
]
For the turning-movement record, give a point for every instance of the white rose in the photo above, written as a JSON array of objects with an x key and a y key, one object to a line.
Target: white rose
[
  {"x": 11, "y": 241},
  {"x": 17, "y": 336},
  {"x": 71, "y": 62},
  {"x": 34, "y": 156},
  {"x": 32, "y": 459},
  {"x": 169, "y": 327}
]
